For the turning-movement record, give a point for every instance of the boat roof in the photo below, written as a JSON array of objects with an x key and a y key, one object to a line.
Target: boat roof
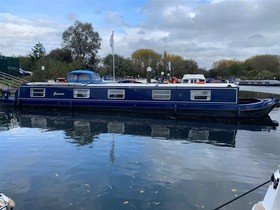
[
  {"x": 83, "y": 76},
  {"x": 170, "y": 85},
  {"x": 82, "y": 72},
  {"x": 193, "y": 76},
  {"x": 143, "y": 85}
]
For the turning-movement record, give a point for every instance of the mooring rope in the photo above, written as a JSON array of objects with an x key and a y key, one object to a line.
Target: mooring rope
[{"x": 242, "y": 195}]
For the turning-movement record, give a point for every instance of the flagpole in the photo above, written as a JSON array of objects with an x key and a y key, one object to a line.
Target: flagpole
[
  {"x": 113, "y": 53},
  {"x": 114, "y": 76}
]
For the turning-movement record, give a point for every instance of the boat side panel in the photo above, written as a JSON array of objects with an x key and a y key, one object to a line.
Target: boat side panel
[
  {"x": 218, "y": 95},
  {"x": 223, "y": 101},
  {"x": 135, "y": 98}
]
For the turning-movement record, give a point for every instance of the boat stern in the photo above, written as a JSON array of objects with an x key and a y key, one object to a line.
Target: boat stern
[{"x": 7, "y": 99}]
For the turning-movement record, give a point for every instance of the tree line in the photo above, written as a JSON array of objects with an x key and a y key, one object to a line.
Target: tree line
[{"x": 80, "y": 46}]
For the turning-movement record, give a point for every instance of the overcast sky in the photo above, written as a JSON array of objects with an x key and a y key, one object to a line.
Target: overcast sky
[{"x": 203, "y": 30}]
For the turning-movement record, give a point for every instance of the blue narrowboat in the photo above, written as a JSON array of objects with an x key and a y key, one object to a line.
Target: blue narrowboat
[{"x": 85, "y": 90}]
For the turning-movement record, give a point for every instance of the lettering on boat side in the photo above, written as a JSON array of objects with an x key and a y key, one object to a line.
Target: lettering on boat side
[{"x": 58, "y": 94}]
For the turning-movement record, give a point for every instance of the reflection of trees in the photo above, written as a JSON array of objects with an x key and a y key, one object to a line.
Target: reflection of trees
[
  {"x": 112, "y": 151},
  {"x": 82, "y": 133},
  {"x": 81, "y": 138}
]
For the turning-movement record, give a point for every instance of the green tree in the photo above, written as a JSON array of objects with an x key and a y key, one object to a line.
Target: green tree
[
  {"x": 63, "y": 55},
  {"x": 123, "y": 66},
  {"x": 228, "y": 68},
  {"x": 143, "y": 58},
  {"x": 264, "y": 63},
  {"x": 25, "y": 62},
  {"x": 38, "y": 51},
  {"x": 190, "y": 66},
  {"x": 54, "y": 64},
  {"x": 181, "y": 67},
  {"x": 176, "y": 64},
  {"x": 84, "y": 43},
  {"x": 264, "y": 75}
]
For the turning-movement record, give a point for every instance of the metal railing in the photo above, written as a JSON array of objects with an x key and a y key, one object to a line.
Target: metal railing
[{"x": 10, "y": 82}]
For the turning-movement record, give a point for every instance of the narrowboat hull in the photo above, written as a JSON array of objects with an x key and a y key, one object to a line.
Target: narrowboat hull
[{"x": 219, "y": 100}]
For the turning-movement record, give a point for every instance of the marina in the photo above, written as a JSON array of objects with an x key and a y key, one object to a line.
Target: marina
[{"x": 140, "y": 105}]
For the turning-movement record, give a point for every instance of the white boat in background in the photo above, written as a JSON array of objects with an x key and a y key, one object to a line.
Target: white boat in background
[
  {"x": 193, "y": 79},
  {"x": 267, "y": 82},
  {"x": 271, "y": 199}
]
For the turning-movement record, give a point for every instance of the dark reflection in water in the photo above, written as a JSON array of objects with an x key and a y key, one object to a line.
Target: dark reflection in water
[{"x": 85, "y": 128}]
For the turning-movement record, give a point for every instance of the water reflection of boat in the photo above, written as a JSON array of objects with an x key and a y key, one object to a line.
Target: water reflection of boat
[{"x": 84, "y": 128}]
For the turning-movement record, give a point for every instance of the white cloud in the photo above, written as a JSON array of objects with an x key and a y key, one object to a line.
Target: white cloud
[
  {"x": 219, "y": 30},
  {"x": 20, "y": 35},
  {"x": 205, "y": 30}
]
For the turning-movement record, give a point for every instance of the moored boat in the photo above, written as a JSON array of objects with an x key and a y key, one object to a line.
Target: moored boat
[
  {"x": 260, "y": 82},
  {"x": 85, "y": 89}
]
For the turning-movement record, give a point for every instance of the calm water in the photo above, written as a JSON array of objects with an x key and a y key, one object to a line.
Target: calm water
[
  {"x": 261, "y": 89},
  {"x": 54, "y": 160}
]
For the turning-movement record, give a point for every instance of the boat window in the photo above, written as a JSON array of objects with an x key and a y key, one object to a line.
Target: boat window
[
  {"x": 83, "y": 77},
  {"x": 81, "y": 93},
  {"x": 191, "y": 81},
  {"x": 116, "y": 93},
  {"x": 161, "y": 94},
  {"x": 72, "y": 77},
  {"x": 37, "y": 92},
  {"x": 204, "y": 95},
  {"x": 96, "y": 77},
  {"x": 198, "y": 135}
]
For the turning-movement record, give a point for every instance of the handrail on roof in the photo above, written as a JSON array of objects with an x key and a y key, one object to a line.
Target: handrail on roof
[{"x": 9, "y": 81}]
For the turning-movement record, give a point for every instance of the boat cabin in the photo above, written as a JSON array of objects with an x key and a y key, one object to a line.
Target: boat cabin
[
  {"x": 83, "y": 76},
  {"x": 194, "y": 79}
]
